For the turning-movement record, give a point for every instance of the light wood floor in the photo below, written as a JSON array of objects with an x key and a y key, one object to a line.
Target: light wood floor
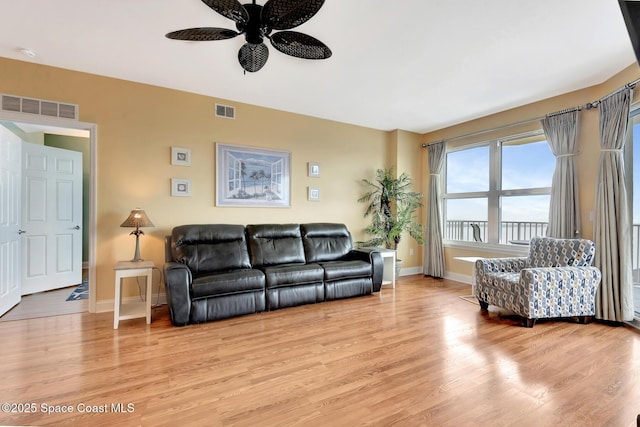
[
  {"x": 414, "y": 356},
  {"x": 44, "y": 304}
]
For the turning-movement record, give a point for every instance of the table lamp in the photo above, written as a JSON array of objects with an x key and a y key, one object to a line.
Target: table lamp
[{"x": 137, "y": 218}]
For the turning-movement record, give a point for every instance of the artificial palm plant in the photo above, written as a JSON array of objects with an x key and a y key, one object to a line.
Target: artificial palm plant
[{"x": 392, "y": 207}]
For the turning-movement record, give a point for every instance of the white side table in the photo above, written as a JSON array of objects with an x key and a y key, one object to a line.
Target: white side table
[
  {"x": 132, "y": 310},
  {"x": 389, "y": 270},
  {"x": 472, "y": 260}
]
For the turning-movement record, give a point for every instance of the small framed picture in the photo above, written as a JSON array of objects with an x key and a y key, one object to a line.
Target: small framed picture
[
  {"x": 314, "y": 170},
  {"x": 313, "y": 194},
  {"x": 180, "y": 187},
  {"x": 180, "y": 156}
]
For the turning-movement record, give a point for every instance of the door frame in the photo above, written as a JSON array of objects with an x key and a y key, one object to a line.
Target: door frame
[{"x": 93, "y": 194}]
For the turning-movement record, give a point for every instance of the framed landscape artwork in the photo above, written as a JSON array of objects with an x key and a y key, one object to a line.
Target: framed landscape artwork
[{"x": 252, "y": 177}]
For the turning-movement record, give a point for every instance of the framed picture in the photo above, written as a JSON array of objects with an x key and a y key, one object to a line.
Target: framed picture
[
  {"x": 252, "y": 177},
  {"x": 180, "y": 156},
  {"x": 180, "y": 187},
  {"x": 314, "y": 170},
  {"x": 313, "y": 194}
]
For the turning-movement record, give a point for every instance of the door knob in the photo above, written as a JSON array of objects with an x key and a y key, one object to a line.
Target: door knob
[
  {"x": 77, "y": 227},
  {"x": 21, "y": 231}
]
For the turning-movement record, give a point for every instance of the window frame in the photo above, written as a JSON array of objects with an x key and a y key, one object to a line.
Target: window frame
[{"x": 493, "y": 194}]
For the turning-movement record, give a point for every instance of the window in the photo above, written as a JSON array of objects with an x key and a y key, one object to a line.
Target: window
[
  {"x": 633, "y": 150},
  {"x": 498, "y": 191}
]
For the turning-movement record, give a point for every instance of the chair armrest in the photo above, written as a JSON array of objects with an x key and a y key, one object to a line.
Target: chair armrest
[
  {"x": 500, "y": 265},
  {"x": 556, "y": 277},
  {"x": 560, "y": 291},
  {"x": 373, "y": 257},
  {"x": 177, "y": 279}
]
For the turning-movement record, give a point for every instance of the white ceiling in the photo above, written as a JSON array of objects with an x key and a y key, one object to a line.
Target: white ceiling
[{"x": 416, "y": 65}]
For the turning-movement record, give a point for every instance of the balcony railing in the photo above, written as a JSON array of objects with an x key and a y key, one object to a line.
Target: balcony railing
[{"x": 509, "y": 230}]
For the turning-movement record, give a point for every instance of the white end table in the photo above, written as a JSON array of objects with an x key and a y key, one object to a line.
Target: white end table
[
  {"x": 132, "y": 310},
  {"x": 472, "y": 260},
  {"x": 389, "y": 270}
]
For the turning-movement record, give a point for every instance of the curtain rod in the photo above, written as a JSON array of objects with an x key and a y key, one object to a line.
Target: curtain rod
[
  {"x": 588, "y": 106},
  {"x": 480, "y": 132},
  {"x": 630, "y": 85}
]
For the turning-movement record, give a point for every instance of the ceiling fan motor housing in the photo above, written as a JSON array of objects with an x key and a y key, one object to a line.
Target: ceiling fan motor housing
[{"x": 254, "y": 30}]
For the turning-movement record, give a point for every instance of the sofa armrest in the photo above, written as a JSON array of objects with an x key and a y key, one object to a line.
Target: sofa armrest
[
  {"x": 177, "y": 279},
  {"x": 373, "y": 257}
]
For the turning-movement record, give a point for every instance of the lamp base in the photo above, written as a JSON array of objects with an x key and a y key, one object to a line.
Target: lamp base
[{"x": 136, "y": 256}]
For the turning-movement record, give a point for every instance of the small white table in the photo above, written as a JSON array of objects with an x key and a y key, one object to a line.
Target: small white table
[
  {"x": 389, "y": 270},
  {"x": 472, "y": 260},
  {"x": 132, "y": 310}
]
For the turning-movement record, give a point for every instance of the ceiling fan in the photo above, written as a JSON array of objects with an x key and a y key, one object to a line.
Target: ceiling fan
[{"x": 257, "y": 22}]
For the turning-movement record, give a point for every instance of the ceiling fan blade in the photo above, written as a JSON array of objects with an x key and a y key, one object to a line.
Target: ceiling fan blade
[
  {"x": 252, "y": 57},
  {"x": 300, "y": 45},
  {"x": 286, "y": 14},
  {"x": 202, "y": 34},
  {"x": 231, "y": 9}
]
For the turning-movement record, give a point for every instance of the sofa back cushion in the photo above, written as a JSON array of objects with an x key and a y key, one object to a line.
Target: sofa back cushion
[
  {"x": 550, "y": 252},
  {"x": 325, "y": 241},
  {"x": 210, "y": 248},
  {"x": 271, "y": 244}
]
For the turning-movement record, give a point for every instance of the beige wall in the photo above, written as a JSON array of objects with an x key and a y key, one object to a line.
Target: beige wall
[
  {"x": 138, "y": 124},
  {"x": 588, "y": 146}
]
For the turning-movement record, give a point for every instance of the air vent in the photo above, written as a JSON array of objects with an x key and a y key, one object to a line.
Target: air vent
[
  {"x": 38, "y": 106},
  {"x": 225, "y": 111},
  {"x": 49, "y": 109}
]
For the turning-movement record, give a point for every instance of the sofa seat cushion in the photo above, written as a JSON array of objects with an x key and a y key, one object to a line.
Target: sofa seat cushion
[
  {"x": 336, "y": 270},
  {"x": 292, "y": 274},
  {"x": 231, "y": 282}
]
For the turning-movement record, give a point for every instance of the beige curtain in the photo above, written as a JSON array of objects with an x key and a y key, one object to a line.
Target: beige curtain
[
  {"x": 433, "y": 247},
  {"x": 561, "y": 131},
  {"x": 612, "y": 228}
]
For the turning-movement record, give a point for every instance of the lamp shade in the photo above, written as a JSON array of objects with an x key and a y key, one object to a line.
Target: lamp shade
[{"x": 137, "y": 218}]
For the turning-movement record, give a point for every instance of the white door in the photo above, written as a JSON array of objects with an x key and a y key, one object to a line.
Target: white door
[
  {"x": 51, "y": 218},
  {"x": 10, "y": 178}
]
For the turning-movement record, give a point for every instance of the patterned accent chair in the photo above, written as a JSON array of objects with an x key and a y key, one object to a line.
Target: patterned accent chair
[{"x": 556, "y": 280}]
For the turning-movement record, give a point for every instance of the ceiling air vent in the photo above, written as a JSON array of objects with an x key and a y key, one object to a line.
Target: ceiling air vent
[
  {"x": 38, "y": 106},
  {"x": 225, "y": 111}
]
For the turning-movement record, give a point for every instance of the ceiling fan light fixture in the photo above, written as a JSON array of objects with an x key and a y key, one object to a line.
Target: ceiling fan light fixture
[{"x": 252, "y": 57}]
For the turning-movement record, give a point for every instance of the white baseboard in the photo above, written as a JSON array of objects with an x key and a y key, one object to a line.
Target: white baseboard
[
  {"x": 410, "y": 271},
  {"x": 107, "y": 305},
  {"x": 462, "y": 278}
]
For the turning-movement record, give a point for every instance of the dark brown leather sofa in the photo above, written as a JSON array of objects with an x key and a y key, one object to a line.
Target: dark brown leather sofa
[{"x": 216, "y": 271}]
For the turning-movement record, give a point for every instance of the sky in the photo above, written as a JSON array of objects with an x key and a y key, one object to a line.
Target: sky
[{"x": 524, "y": 166}]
